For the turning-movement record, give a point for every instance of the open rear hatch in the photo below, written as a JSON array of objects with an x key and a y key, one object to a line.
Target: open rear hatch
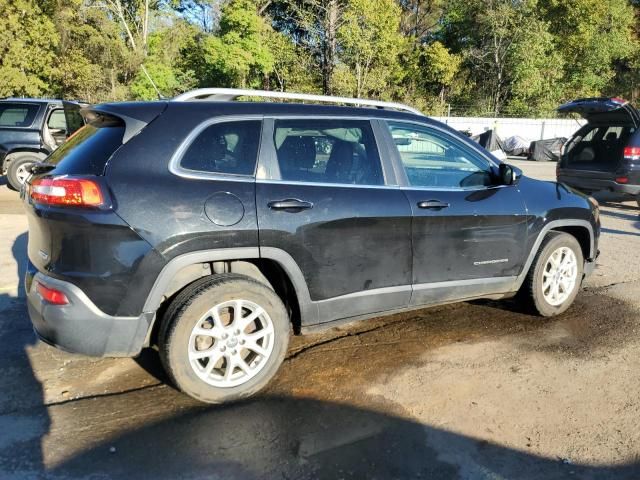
[
  {"x": 603, "y": 111},
  {"x": 597, "y": 148}
]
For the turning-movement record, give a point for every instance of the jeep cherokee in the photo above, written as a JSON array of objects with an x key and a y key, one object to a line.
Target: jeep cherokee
[{"x": 213, "y": 228}]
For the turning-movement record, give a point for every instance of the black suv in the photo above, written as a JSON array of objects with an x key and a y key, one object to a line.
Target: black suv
[
  {"x": 605, "y": 153},
  {"x": 212, "y": 229},
  {"x": 30, "y": 129}
]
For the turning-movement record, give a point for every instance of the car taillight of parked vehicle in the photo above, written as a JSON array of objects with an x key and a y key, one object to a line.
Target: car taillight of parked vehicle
[
  {"x": 51, "y": 295},
  {"x": 67, "y": 191},
  {"x": 632, "y": 153}
]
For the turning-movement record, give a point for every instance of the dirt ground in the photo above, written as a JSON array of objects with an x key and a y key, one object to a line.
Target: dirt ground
[{"x": 472, "y": 391}]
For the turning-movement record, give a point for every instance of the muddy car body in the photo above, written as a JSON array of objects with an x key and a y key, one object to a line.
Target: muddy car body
[{"x": 214, "y": 228}]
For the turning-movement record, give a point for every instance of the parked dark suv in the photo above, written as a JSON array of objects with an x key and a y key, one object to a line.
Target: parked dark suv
[
  {"x": 605, "y": 153},
  {"x": 30, "y": 129},
  {"x": 212, "y": 229}
]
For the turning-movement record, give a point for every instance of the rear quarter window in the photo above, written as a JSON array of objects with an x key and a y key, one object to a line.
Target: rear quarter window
[
  {"x": 224, "y": 148},
  {"x": 87, "y": 151},
  {"x": 18, "y": 114}
]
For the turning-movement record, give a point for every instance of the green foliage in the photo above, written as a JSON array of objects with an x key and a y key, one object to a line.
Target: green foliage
[
  {"x": 513, "y": 57},
  {"x": 238, "y": 56},
  {"x": 27, "y": 49},
  {"x": 590, "y": 36},
  {"x": 371, "y": 44}
]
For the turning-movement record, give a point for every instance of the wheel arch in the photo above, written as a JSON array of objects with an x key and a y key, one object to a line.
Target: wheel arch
[
  {"x": 581, "y": 230},
  {"x": 273, "y": 267},
  {"x": 18, "y": 150}
]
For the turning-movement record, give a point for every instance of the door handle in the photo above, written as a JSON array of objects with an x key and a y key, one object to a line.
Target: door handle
[
  {"x": 433, "y": 204},
  {"x": 289, "y": 204}
]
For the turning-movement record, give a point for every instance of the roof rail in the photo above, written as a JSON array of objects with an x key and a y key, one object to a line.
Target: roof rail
[{"x": 229, "y": 94}]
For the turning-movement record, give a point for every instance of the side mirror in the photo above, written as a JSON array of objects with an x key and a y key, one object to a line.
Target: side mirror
[{"x": 509, "y": 175}]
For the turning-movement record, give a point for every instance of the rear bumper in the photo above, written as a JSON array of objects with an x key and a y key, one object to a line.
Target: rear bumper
[
  {"x": 598, "y": 184},
  {"x": 80, "y": 326}
]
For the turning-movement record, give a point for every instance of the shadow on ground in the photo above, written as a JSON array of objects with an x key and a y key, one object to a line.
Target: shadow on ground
[
  {"x": 314, "y": 422},
  {"x": 24, "y": 419},
  {"x": 281, "y": 437}
]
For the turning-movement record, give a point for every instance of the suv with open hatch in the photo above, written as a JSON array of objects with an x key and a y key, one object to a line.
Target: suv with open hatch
[
  {"x": 30, "y": 129},
  {"x": 605, "y": 153},
  {"x": 213, "y": 229}
]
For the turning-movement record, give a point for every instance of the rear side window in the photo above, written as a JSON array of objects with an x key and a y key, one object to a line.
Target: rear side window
[
  {"x": 227, "y": 148},
  {"x": 86, "y": 151},
  {"x": 328, "y": 151},
  {"x": 17, "y": 114}
]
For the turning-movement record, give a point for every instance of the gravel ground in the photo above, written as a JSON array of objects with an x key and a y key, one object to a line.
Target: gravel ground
[{"x": 473, "y": 391}]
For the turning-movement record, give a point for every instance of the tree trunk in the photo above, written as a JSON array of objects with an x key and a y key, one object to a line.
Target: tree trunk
[{"x": 330, "y": 45}]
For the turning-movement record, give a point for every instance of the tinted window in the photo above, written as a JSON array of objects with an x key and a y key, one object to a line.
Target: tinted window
[
  {"x": 17, "y": 114},
  {"x": 230, "y": 147},
  {"x": 87, "y": 151},
  {"x": 328, "y": 151},
  {"x": 434, "y": 159}
]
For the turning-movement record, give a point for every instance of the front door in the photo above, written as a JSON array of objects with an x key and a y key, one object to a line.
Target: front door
[
  {"x": 468, "y": 232},
  {"x": 328, "y": 207}
]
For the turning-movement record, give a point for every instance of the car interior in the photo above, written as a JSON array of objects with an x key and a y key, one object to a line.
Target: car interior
[
  {"x": 596, "y": 147},
  {"x": 432, "y": 161},
  {"x": 336, "y": 155}
]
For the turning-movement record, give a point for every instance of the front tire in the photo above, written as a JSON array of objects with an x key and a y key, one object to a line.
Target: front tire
[
  {"x": 223, "y": 338},
  {"x": 555, "y": 277}
]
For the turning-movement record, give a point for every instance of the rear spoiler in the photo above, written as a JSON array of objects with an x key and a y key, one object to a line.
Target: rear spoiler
[{"x": 135, "y": 115}]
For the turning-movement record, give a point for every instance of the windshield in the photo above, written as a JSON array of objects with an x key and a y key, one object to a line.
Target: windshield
[{"x": 18, "y": 114}]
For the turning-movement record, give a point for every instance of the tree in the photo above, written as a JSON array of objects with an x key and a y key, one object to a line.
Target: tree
[
  {"x": 371, "y": 43},
  {"x": 293, "y": 67},
  {"x": 313, "y": 25},
  {"x": 420, "y": 17},
  {"x": 536, "y": 69},
  {"x": 165, "y": 63},
  {"x": 591, "y": 35},
  {"x": 239, "y": 55},
  {"x": 27, "y": 49},
  {"x": 92, "y": 60},
  {"x": 438, "y": 68}
]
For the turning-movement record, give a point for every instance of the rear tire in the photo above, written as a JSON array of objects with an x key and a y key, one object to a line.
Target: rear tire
[
  {"x": 555, "y": 276},
  {"x": 223, "y": 338},
  {"x": 19, "y": 168}
]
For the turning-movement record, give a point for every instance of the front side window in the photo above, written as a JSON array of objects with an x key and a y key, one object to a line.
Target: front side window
[
  {"x": 435, "y": 160},
  {"x": 228, "y": 148},
  {"x": 327, "y": 151}
]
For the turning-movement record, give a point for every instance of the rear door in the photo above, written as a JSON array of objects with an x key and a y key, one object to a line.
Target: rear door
[
  {"x": 73, "y": 118},
  {"x": 468, "y": 233},
  {"x": 329, "y": 201}
]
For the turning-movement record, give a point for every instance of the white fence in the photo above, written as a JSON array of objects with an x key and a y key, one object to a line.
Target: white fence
[{"x": 527, "y": 128}]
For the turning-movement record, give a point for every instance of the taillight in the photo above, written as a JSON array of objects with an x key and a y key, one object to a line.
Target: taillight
[
  {"x": 632, "y": 153},
  {"x": 78, "y": 192},
  {"x": 51, "y": 295},
  {"x": 622, "y": 180}
]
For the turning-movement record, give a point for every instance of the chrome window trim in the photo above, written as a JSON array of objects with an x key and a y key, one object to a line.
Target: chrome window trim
[
  {"x": 324, "y": 184},
  {"x": 176, "y": 158},
  {"x": 176, "y": 169}
]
